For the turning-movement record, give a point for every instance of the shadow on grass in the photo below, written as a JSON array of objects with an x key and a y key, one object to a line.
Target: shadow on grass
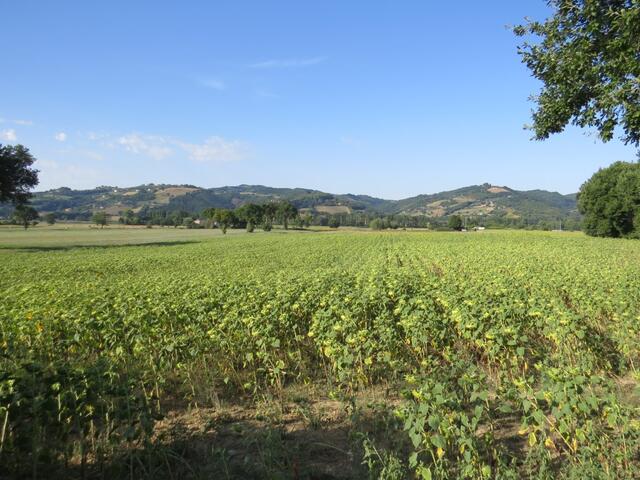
[{"x": 63, "y": 248}]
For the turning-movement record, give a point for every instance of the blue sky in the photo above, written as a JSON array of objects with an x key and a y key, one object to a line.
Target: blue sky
[{"x": 385, "y": 98}]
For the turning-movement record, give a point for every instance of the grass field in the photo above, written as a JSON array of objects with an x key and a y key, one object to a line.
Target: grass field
[
  {"x": 65, "y": 236},
  {"x": 170, "y": 353}
]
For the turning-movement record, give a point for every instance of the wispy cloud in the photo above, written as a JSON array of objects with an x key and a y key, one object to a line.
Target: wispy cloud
[
  {"x": 82, "y": 153},
  {"x": 215, "y": 149},
  {"x": 91, "y": 154},
  {"x": 288, "y": 62},
  {"x": 214, "y": 83},
  {"x": 54, "y": 174},
  {"x": 96, "y": 136},
  {"x": 351, "y": 141},
  {"x": 8, "y": 135},
  {"x": 262, "y": 93},
  {"x": 153, "y": 146},
  {"x": 17, "y": 122},
  {"x": 60, "y": 136}
]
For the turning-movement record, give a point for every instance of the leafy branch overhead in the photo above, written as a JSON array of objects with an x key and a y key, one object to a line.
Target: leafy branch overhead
[{"x": 588, "y": 57}]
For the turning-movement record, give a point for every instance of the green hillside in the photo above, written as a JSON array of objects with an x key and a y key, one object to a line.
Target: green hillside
[{"x": 483, "y": 201}]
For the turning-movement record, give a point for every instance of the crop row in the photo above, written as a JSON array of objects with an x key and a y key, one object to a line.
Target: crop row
[{"x": 476, "y": 333}]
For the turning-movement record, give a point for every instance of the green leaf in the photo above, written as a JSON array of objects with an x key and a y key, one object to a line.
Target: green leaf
[
  {"x": 416, "y": 438},
  {"x": 438, "y": 441},
  {"x": 425, "y": 473}
]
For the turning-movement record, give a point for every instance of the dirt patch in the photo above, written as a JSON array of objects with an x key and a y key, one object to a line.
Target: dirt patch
[
  {"x": 302, "y": 439},
  {"x": 332, "y": 209},
  {"x": 481, "y": 209},
  {"x": 165, "y": 195},
  {"x": 303, "y": 434},
  {"x": 629, "y": 390},
  {"x": 464, "y": 199}
]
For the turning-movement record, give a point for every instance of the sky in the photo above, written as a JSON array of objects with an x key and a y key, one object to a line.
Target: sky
[{"x": 386, "y": 98}]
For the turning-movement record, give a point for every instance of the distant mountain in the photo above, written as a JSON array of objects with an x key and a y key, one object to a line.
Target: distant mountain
[{"x": 477, "y": 200}]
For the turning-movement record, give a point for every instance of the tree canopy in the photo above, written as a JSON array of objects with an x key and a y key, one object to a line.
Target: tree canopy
[
  {"x": 588, "y": 57},
  {"x": 455, "y": 222},
  {"x": 286, "y": 211},
  {"x": 24, "y": 215},
  {"x": 50, "y": 218},
  {"x": 100, "y": 218},
  {"x": 610, "y": 201},
  {"x": 16, "y": 175}
]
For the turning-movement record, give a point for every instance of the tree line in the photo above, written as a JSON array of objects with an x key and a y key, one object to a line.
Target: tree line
[
  {"x": 249, "y": 216},
  {"x": 264, "y": 216},
  {"x": 609, "y": 203}
]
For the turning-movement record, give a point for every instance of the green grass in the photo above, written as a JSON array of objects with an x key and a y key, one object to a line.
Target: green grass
[{"x": 85, "y": 235}]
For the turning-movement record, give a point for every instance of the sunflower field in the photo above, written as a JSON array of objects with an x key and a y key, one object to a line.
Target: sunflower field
[{"x": 503, "y": 354}]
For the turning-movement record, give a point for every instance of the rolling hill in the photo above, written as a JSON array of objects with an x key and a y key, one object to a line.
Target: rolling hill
[{"x": 484, "y": 200}]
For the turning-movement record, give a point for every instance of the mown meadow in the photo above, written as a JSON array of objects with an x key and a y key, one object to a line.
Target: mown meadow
[{"x": 396, "y": 355}]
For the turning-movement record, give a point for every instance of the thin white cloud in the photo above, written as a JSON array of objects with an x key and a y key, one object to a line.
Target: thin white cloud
[
  {"x": 153, "y": 146},
  {"x": 60, "y": 136},
  {"x": 54, "y": 174},
  {"x": 215, "y": 149},
  {"x": 288, "y": 62},
  {"x": 47, "y": 163},
  {"x": 23, "y": 122},
  {"x": 96, "y": 136},
  {"x": 80, "y": 153},
  {"x": 8, "y": 135},
  {"x": 92, "y": 155},
  {"x": 351, "y": 141},
  {"x": 262, "y": 93},
  {"x": 214, "y": 83}
]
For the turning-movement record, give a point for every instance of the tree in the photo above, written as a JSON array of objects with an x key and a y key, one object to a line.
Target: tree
[
  {"x": 209, "y": 214},
  {"x": 455, "y": 222},
  {"x": 16, "y": 175},
  {"x": 24, "y": 215},
  {"x": 334, "y": 222},
  {"x": 269, "y": 212},
  {"x": 128, "y": 217},
  {"x": 587, "y": 58},
  {"x": 177, "y": 218},
  {"x": 224, "y": 218},
  {"x": 50, "y": 218},
  {"x": 377, "y": 224},
  {"x": 100, "y": 218},
  {"x": 306, "y": 220},
  {"x": 287, "y": 211},
  {"x": 610, "y": 201}
]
